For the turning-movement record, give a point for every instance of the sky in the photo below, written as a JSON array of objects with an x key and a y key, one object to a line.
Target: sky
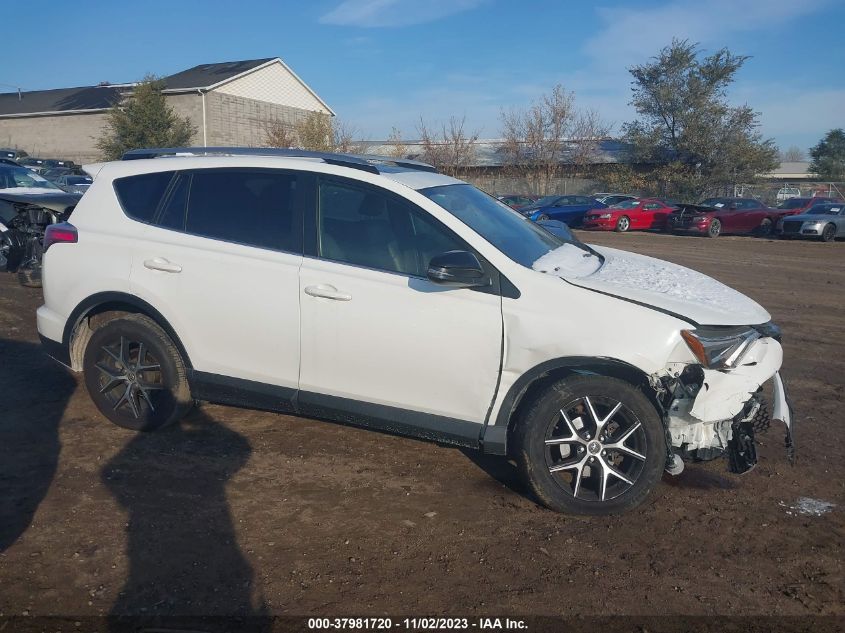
[{"x": 386, "y": 63}]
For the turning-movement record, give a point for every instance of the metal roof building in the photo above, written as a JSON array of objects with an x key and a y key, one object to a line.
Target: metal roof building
[{"x": 230, "y": 103}]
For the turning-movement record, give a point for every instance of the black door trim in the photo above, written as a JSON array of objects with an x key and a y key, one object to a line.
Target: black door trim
[{"x": 257, "y": 395}]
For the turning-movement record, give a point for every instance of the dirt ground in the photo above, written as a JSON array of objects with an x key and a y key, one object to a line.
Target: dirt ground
[{"x": 249, "y": 512}]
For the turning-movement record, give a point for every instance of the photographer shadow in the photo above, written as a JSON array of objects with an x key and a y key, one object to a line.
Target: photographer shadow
[
  {"x": 34, "y": 392},
  {"x": 184, "y": 559}
]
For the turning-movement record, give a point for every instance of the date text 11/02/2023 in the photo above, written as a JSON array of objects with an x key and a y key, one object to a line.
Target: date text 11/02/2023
[{"x": 415, "y": 624}]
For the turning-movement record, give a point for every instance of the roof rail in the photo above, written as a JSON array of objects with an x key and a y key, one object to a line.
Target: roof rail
[{"x": 356, "y": 161}]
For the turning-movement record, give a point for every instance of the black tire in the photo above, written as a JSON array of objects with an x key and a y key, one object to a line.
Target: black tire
[
  {"x": 766, "y": 227},
  {"x": 546, "y": 444},
  {"x": 30, "y": 277},
  {"x": 146, "y": 393},
  {"x": 829, "y": 233},
  {"x": 715, "y": 228},
  {"x": 543, "y": 217},
  {"x": 623, "y": 224}
]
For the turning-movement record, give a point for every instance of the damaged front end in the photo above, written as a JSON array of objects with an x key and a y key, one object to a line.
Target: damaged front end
[{"x": 714, "y": 406}]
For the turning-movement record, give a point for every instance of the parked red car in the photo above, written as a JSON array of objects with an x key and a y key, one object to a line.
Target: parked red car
[
  {"x": 715, "y": 216},
  {"x": 794, "y": 206},
  {"x": 641, "y": 213}
]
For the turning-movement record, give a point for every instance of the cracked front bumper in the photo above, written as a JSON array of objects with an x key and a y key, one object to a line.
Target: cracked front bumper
[{"x": 723, "y": 394}]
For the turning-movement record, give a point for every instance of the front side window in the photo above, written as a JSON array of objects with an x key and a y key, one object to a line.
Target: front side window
[
  {"x": 251, "y": 207},
  {"x": 364, "y": 227}
]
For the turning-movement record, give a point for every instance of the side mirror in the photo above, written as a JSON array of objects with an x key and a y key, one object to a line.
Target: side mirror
[{"x": 460, "y": 269}]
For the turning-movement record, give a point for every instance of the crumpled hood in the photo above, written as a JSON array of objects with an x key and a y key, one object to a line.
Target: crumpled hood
[
  {"x": 58, "y": 201},
  {"x": 656, "y": 283}
]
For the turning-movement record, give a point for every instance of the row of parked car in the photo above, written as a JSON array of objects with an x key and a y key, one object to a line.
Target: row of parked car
[
  {"x": 817, "y": 217},
  {"x": 65, "y": 174}
]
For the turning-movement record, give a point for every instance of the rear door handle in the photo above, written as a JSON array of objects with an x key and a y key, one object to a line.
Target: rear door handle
[
  {"x": 327, "y": 292},
  {"x": 160, "y": 263}
]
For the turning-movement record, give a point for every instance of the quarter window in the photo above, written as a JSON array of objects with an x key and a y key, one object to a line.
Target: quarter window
[
  {"x": 367, "y": 228},
  {"x": 252, "y": 207},
  {"x": 140, "y": 195}
]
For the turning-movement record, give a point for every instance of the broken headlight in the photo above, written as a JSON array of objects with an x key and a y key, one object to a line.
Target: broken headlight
[{"x": 719, "y": 347}]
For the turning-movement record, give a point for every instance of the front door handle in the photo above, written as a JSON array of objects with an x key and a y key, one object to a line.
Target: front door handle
[
  {"x": 160, "y": 263},
  {"x": 327, "y": 292}
]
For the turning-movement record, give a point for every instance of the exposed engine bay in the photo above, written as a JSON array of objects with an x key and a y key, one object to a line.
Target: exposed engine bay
[{"x": 22, "y": 227}]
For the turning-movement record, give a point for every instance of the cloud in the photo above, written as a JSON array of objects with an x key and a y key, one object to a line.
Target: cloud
[
  {"x": 630, "y": 35},
  {"x": 388, "y": 13}
]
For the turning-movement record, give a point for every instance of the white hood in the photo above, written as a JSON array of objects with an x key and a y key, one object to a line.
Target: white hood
[{"x": 654, "y": 282}]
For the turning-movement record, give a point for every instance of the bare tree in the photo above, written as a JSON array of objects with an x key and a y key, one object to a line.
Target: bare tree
[
  {"x": 793, "y": 154},
  {"x": 315, "y": 132},
  {"x": 533, "y": 140},
  {"x": 279, "y": 134},
  {"x": 588, "y": 131},
  {"x": 452, "y": 150},
  {"x": 398, "y": 149},
  {"x": 344, "y": 138}
]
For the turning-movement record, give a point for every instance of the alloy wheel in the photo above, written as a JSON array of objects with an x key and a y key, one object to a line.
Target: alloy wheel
[
  {"x": 596, "y": 448},
  {"x": 129, "y": 376}
]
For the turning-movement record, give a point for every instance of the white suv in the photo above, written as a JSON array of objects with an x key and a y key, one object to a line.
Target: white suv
[{"x": 386, "y": 295}]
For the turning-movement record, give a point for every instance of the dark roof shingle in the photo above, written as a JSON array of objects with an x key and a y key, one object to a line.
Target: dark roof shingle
[
  {"x": 99, "y": 97},
  {"x": 206, "y": 75},
  {"x": 60, "y": 100}
]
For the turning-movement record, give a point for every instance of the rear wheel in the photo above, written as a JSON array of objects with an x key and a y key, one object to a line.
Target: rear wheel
[
  {"x": 715, "y": 229},
  {"x": 829, "y": 233},
  {"x": 591, "y": 445},
  {"x": 623, "y": 224},
  {"x": 135, "y": 374},
  {"x": 765, "y": 228}
]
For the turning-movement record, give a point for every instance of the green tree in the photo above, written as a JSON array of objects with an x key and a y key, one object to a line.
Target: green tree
[
  {"x": 829, "y": 156},
  {"x": 686, "y": 129},
  {"x": 144, "y": 120}
]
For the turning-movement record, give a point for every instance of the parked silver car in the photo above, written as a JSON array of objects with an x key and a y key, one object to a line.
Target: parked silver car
[{"x": 822, "y": 221}]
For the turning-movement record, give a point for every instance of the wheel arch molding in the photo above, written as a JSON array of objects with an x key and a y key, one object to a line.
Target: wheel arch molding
[
  {"x": 496, "y": 434},
  {"x": 112, "y": 301}
]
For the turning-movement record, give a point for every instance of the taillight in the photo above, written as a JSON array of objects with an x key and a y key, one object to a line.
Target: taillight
[{"x": 63, "y": 232}]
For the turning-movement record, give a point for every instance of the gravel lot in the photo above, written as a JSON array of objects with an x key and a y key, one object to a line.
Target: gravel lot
[{"x": 249, "y": 512}]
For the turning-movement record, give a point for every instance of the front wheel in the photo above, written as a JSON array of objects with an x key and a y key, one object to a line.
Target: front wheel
[
  {"x": 828, "y": 233},
  {"x": 715, "y": 229},
  {"x": 623, "y": 224},
  {"x": 135, "y": 374},
  {"x": 765, "y": 228},
  {"x": 591, "y": 445}
]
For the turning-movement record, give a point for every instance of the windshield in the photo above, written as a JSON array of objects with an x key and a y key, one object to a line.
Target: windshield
[
  {"x": 718, "y": 203},
  {"x": 78, "y": 180},
  {"x": 793, "y": 203},
  {"x": 545, "y": 201},
  {"x": 515, "y": 235},
  {"x": 825, "y": 210},
  {"x": 626, "y": 204},
  {"x": 23, "y": 180}
]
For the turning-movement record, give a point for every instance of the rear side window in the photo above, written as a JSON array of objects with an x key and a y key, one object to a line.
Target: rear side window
[
  {"x": 140, "y": 195},
  {"x": 252, "y": 207}
]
